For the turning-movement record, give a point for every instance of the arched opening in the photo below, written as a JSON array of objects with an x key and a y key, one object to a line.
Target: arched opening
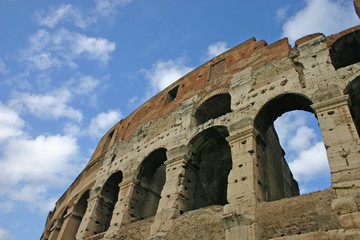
[
  {"x": 353, "y": 90},
  {"x": 211, "y": 156},
  {"x": 346, "y": 50},
  {"x": 78, "y": 212},
  {"x": 213, "y": 107},
  {"x": 151, "y": 181},
  {"x": 110, "y": 194},
  {"x": 275, "y": 178}
]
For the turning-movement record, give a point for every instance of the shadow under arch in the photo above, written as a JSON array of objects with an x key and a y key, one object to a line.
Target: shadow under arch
[
  {"x": 353, "y": 90},
  {"x": 213, "y": 107},
  {"x": 79, "y": 212},
  {"x": 151, "y": 179},
  {"x": 211, "y": 157},
  {"x": 275, "y": 180},
  {"x": 345, "y": 51},
  {"x": 109, "y": 193}
]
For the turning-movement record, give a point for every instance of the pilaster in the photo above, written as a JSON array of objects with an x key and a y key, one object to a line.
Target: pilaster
[
  {"x": 177, "y": 193},
  {"x": 94, "y": 219},
  {"x": 125, "y": 207},
  {"x": 70, "y": 225},
  {"x": 242, "y": 194},
  {"x": 342, "y": 143},
  {"x": 54, "y": 230}
]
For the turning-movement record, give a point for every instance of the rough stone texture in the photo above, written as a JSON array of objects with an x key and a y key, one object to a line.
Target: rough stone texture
[
  {"x": 135, "y": 231},
  {"x": 294, "y": 216},
  {"x": 201, "y": 224},
  {"x": 208, "y": 139}
]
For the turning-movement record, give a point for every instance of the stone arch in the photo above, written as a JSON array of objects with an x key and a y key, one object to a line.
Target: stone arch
[
  {"x": 346, "y": 50},
  {"x": 214, "y": 105},
  {"x": 151, "y": 179},
  {"x": 104, "y": 206},
  {"x": 78, "y": 212},
  {"x": 211, "y": 157},
  {"x": 353, "y": 90},
  {"x": 275, "y": 180}
]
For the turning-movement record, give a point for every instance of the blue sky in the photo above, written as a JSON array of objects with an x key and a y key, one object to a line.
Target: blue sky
[{"x": 69, "y": 70}]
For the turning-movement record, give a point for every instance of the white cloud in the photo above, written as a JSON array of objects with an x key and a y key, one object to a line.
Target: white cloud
[
  {"x": 4, "y": 234},
  {"x": 65, "y": 12},
  {"x": 10, "y": 123},
  {"x": 287, "y": 124},
  {"x": 311, "y": 164},
  {"x": 100, "y": 124},
  {"x": 47, "y": 50},
  {"x": 49, "y": 106},
  {"x": 107, "y": 7},
  {"x": 94, "y": 48},
  {"x": 303, "y": 138},
  {"x": 30, "y": 167},
  {"x": 215, "y": 49},
  {"x": 325, "y": 16},
  {"x": 86, "y": 85},
  {"x": 163, "y": 73}
]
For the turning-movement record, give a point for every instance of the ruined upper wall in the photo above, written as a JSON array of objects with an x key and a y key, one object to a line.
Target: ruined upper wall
[{"x": 250, "y": 54}]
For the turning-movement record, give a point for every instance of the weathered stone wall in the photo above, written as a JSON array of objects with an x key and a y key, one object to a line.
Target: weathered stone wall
[{"x": 201, "y": 158}]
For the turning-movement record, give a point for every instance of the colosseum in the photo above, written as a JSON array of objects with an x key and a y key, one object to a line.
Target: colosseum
[{"x": 201, "y": 159}]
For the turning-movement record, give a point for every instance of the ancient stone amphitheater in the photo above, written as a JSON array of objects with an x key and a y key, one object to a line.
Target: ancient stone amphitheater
[{"x": 201, "y": 159}]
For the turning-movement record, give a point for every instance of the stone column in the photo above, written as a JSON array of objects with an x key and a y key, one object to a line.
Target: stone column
[
  {"x": 94, "y": 219},
  {"x": 54, "y": 230},
  {"x": 177, "y": 193},
  {"x": 70, "y": 225},
  {"x": 342, "y": 144},
  {"x": 242, "y": 193},
  {"x": 126, "y": 206}
]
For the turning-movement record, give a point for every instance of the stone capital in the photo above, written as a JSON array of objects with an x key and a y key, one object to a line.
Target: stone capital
[{"x": 331, "y": 104}]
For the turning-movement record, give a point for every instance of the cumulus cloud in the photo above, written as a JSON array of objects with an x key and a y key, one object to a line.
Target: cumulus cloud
[
  {"x": 54, "y": 49},
  {"x": 287, "y": 125},
  {"x": 305, "y": 151},
  {"x": 163, "y": 73},
  {"x": 10, "y": 123},
  {"x": 215, "y": 49},
  {"x": 48, "y": 106},
  {"x": 100, "y": 124},
  {"x": 65, "y": 12},
  {"x": 325, "y": 16},
  {"x": 30, "y": 167},
  {"x": 302, "y": 139},
  {"x": 311, "y": 163}
]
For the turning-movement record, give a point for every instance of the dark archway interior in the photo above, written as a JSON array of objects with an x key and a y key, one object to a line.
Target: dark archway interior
[
  {"x": 346, "y": 50},
  {"x": 79, "y": 211},
  {"x": 212, "y": 108},
  {"x": 110, "y": 194},
  {"x": 275, "y": 179},
  {"x": 353, "y": 89},
  {"x": 151, "y": 179},
  {"x": 212, "y": 158}
]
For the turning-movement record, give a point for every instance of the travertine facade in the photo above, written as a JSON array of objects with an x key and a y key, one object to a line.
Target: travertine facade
[{"x": 201, "y": 159}]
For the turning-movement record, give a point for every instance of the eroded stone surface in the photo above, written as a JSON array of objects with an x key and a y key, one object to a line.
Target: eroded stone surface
[{"x": 208, "y": 139}]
